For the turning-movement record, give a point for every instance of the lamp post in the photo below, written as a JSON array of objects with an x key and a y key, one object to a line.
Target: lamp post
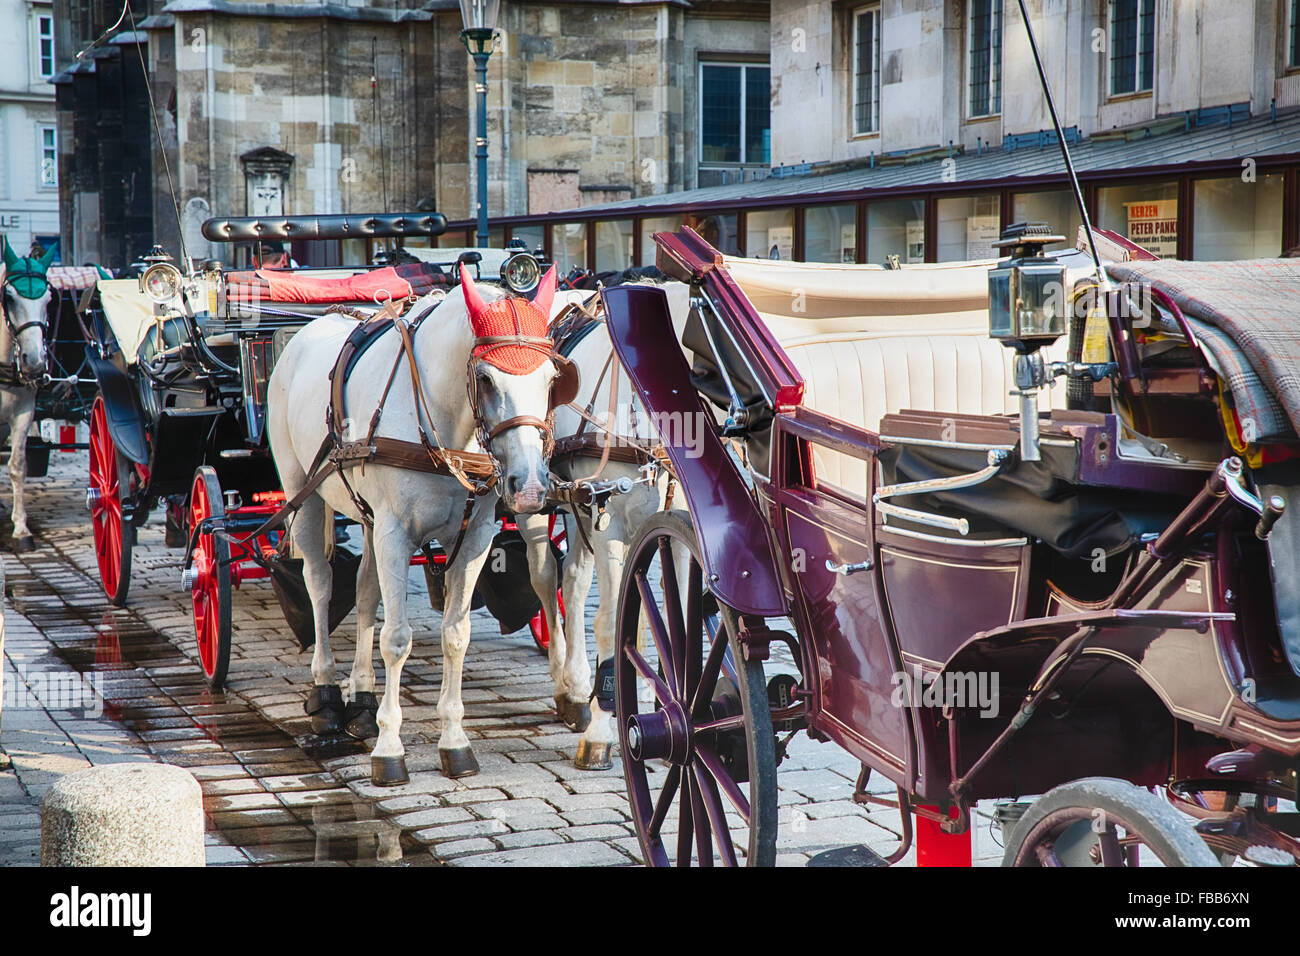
[{"x": 480, "y": 19}]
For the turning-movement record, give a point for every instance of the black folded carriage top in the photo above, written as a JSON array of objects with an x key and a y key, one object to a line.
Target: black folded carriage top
[{"x": 360, "y": 226}]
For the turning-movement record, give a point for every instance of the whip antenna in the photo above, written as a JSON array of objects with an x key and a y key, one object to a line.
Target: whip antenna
[{"x": 1103, "y": 280}]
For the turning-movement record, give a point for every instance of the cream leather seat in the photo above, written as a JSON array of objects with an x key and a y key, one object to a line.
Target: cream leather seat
[{"x": 871, "y": 341}]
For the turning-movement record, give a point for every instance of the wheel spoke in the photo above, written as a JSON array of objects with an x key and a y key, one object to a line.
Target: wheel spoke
[
  {"x": 703, "y": 836},
  {"x": 685, "y": 828},
  {"x": 708, "y": 791},
  {"x": 736, "y": 722},
  {"x": 709, "y": 759},
  {"x": 665, "y": 801},
  {"x": 662, "y": 692},
  {"x": 658, "y": 632},
  {"x": 673, "y": 614},
  {"x": 1111, "y": 852},
  {"x": 709, "y": 677}
]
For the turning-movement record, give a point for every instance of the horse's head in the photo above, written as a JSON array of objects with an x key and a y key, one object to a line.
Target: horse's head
[
  {"x": 24, "y": 298},
  {"x": 515, "y": 381}
]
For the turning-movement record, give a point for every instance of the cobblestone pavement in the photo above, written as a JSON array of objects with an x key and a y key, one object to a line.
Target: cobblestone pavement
[{"x": 274, "y": 794}]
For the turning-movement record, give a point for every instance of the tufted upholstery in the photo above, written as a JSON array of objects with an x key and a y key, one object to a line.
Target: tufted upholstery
[{"x": 870, "y": 342}]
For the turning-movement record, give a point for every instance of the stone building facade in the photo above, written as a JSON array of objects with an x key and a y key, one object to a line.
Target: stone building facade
[
  {"x": 304, "y": 107},
  {"x": 28, "y": 136}
]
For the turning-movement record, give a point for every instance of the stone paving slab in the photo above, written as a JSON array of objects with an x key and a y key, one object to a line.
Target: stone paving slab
[{"x": 273, "y": 794}]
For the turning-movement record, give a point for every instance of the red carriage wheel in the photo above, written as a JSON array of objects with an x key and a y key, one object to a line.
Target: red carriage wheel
[
  {"x": 703, "y": 756},
  {"x": 208, "y": 578},
  {"x": 109, "y": 490}
]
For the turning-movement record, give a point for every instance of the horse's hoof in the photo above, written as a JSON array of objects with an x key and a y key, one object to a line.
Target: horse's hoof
[
  {"x": 458, "y": 763},
  {"x": 389, "y": 771},
  {"x": 27, "y": 543},
  {"x": 593, "y": 756},
  {"x": 325, "y": 707},
  {"x": 359, "y": 716},
  {"x": 575, "y": 715}
]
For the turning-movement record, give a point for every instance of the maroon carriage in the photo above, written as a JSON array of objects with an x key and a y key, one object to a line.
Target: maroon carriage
[{"x": 1064, "y": 568}]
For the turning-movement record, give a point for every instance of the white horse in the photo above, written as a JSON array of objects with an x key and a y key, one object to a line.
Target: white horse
[
  {"x": 410, "y": 507},
  {"x": 627, "y": 512},
  {"x": 24, "y": 299}
]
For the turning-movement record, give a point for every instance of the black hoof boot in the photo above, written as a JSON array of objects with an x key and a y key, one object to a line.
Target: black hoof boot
[
  {"x": 458, "y": 763},
  {"x": 325, "y": 707},
  {"x": 388, "y": 771},
  {"x": 27, "y": 543},
  {"x": 359, "y": 716},
  {"x": 592, "y": 756}
]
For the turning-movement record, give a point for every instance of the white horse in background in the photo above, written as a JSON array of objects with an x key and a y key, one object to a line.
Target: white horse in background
[
  {"x": 411, "y": 507},
  {"x": 626, "y": 512},
  {"x": 24, "y": 300}
]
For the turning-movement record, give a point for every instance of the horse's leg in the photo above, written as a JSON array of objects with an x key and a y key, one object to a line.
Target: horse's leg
[
  {"x": 392, "y": 549},
  {"x": 19, "y": 425},
  {"x": 579, "y": 566},
  {"x": 325, "y": 703},
  {"x": 570, "y": 700},
  {"x": 453, "y": 746},
  {"x": 359, "y": 716}
]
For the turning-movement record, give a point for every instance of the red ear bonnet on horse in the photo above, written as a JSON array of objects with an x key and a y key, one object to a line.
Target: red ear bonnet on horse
[{"x": 508, "y": 317}]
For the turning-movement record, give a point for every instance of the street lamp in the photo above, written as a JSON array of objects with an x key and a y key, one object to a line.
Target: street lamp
[{"x": 480, "y": 20}]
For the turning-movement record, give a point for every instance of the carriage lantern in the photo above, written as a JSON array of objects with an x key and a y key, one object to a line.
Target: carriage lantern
[{"x": 1027, "y": 291}]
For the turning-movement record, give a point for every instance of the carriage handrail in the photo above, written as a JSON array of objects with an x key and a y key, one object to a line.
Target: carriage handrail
[{"x": 365, "y": 226}]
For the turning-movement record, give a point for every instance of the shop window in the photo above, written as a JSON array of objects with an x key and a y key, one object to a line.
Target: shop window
[
  {"x": 830, "y": 233},
  {"x": 613, "y": 245},
  {"x": 1232, "y": 219},
  {"x": 968, "y": 227},
  {"x": 1132, "y": 46},
  {"x": 1146, "y": 214},
  {"x": 984, "y": 63},
  {"x": 569, "y": 246},
  {"x": 769, "y": 234},
  {"x": 1056, "y": 207},
  {"x": 896, "y": 228},
  {"x": 533, "y": 236}
]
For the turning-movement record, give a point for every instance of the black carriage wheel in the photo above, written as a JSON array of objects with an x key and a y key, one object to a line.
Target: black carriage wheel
[
  {"x": 705, "y": 748},
  {"x": 109, "y": 498},
  {"x": 210, "y": 580},
  {"x": 1101, "y": 821}
]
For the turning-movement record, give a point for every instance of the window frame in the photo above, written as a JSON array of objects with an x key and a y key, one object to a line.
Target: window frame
[
  {"x": 1291, "y": 55},
  {"x": 42, "y": 37},
  {"x": 874, "y": 121},
  {"x": 1143, "y": 7},
  {"x": 41, "y": 130},
  {"x": 743, "y": 108},
  {"x": 994, "y": 78}
]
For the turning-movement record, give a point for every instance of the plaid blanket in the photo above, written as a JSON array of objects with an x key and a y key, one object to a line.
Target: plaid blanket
[{"x": 1247, "y": 317}]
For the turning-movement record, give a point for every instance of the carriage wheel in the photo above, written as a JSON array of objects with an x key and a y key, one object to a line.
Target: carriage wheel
[
  {"x": 109, "y": 490},
  {"x": 210, "y": 579},
  {"x": 702, "y": 756},
  {"x": 1101, "y": 821}
]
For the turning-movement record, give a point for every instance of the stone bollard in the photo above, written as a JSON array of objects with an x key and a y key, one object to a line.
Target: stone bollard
[{"x": 131, "y": 814}]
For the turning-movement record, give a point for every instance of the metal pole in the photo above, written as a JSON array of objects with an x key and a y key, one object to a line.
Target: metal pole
[{"x": 481, "y": 149}]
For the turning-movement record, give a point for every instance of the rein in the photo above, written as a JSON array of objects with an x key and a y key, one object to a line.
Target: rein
[{"x": 28, "y": 271}]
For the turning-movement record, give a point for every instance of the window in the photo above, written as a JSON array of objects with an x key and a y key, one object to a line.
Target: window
[
  {"x": 1056, "y": 207},
  {"x": 1293, "y": 37},
  {"x": 769, "y": 234},
  {"x": 896, "y": 228},
  {"x": 1132, "y": 41},
  {"x": 1145, "y": 213},
  {"x": 613, "y": 245},
  {"x": 866, "y": 70},
  {"x": 1234, "y": 219},
  {"x": 985, "y": 63},
  {"x": 45, "y": 45},
  {"x": 830, "y": 233},
  {"x": 49, "y": 158},
  {"x": 968, "y": 227},
  {"x": 569, "y": 246},
  {"x": 735, "y": 113}
]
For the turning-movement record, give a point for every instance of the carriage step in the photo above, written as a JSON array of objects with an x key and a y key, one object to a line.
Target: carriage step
[{"x": 856, "y": 855}]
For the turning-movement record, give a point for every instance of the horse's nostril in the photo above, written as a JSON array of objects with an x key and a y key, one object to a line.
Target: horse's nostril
[{"x": 512, "y": 484}]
